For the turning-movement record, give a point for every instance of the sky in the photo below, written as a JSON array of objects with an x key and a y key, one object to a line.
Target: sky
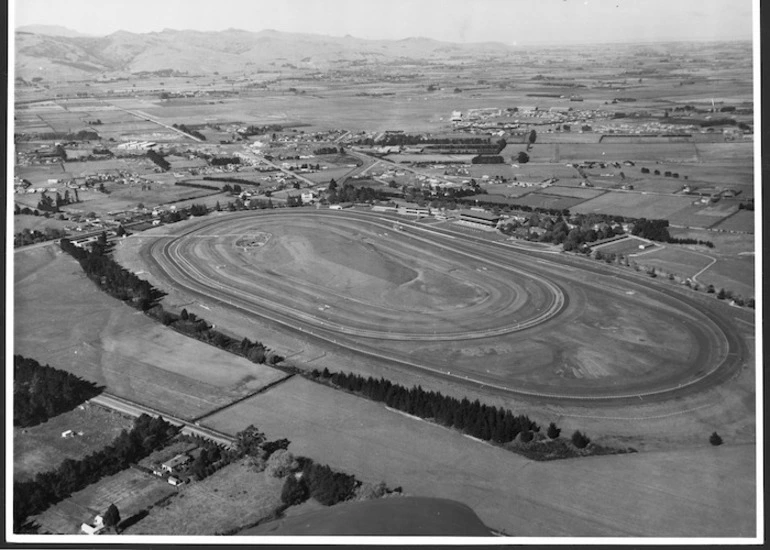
[{"x": 507, "y": 21}]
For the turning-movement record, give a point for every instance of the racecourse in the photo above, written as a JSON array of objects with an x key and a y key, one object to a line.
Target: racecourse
[{"x": 516, "y": 322}]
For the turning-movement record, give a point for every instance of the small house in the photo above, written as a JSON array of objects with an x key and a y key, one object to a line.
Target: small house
[
  {"x": 94, "y": 529},
  {"x": 68, "y": 434},
  {"x": 176, "y": 462}
]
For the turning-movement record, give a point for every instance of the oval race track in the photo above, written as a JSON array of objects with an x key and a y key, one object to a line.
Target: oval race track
[{"x": 499, "y": 292}]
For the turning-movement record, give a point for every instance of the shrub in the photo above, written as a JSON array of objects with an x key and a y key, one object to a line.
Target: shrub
[
  {"x": 281, "y": 463},
  {"x": 294, "y": 491},
  {"x": 715, "y": 439},
  {"x": 553, "y": 432},
  {"x": 526, "y": 436},
  {"x": 580, "y": 440}
]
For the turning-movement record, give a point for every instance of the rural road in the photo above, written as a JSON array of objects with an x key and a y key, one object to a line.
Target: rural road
[
  {"x": 132, "y": 408},
  {"x": 721, "y": 349}
]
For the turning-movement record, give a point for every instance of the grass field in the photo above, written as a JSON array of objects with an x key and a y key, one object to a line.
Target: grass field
[
  {"x": 634, "y": 205},
  {"x": 231, "y": 498},
  {"x": 541, "y": 199},
  {"x": 742, "y": 221},
  {"x": 676, "y": 259},
  {"x": 703, "y": 215},
  {"x": 699, "y": 492},
  {"x": 629, "y": 245},
  {"x": 41, "y": 448},
  {"x": 577, "y": 192},
  {"x": 62, "y": 319},
  {"x": 130, "y": 490}
]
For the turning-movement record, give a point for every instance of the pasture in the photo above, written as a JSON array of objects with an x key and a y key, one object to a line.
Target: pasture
[
  {"x": 628, "y": 246},
  {"x": 634, "y": 205},
  {"x": 676, "y": 493},
  {"x": 576, "y": 192},
  {"x": 62, "y": 319},
  {"x": 703, "y": 215},
  {"x": 42, "y": 448},
  {"x": 231, "y": 498},
  {"x": 675, "y": 259},
  {"x": 131, "y": 490},
  {"x": 542, "y": 199},
  {"x": 742, "y": 221}
]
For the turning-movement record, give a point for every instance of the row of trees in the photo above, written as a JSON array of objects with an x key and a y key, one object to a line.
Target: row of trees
[
  {"x": 32, "y": 497},
  {"x": 191, "y": 325},
  {"x": 189, "y": 131},
  {"x": 350, "y": 193},
  {"x": 487, "y": 159},
  {"x": 48, "y": 204},
  {"x": 224, "y": 161},
  {"x": 237, "y": 181},
  {"x": 156, "y": 157},
  {"x": 41, "y": 392},
  {"x": 110, "y": 276},
  {"x": 473, "y": 418}
]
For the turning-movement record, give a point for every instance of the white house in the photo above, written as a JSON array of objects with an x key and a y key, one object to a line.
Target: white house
[{"x": 94, "y": 529}]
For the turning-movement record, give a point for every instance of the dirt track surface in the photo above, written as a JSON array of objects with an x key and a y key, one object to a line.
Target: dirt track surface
[{"x": 512, "y": 322}]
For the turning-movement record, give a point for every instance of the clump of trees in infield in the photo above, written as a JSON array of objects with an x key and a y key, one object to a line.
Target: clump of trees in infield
[
  {"x": 41, "y": 392},
  {"x": 47, "y": 488}
]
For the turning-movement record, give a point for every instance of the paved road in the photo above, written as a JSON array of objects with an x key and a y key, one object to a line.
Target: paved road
[{"x": 721, "y": 351}]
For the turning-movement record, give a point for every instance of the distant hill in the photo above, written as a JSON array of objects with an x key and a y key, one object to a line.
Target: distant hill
[
  {"x": 50, "y": 30},
  {"x": 58, "y": 56},
  {"x": 396, "y": 516}
]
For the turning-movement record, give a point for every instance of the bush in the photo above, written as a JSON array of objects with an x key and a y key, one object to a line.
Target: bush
[
  {"x": 294, "y": 491},
  {"x": 526, "y": 436},
  {"x": 281, "y": 463},
  {"x": 715, "y": 439},
  {"x": 369, "y": 491},
  {"x": 553, "y": 432},
  {"x": 580, "y": 440}
]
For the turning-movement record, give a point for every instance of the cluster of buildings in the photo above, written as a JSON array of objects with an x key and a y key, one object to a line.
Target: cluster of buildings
[{"x": 137, "y": 146}]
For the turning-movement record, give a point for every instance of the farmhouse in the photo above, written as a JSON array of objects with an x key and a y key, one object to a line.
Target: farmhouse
[{"x": 177, "y": 461}]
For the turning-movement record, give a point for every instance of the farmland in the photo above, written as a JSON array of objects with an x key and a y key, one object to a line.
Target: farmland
[
  {"x": 666, "y": 496},
  {"x": 93, "y": 336},
  {"x": 658, "y": 131},
  {"x": 131, "y": 490},
  {"x": 634, "y": 205},
  {"x": 231, "y": 498},
  {"x": 42, "y": 448}
]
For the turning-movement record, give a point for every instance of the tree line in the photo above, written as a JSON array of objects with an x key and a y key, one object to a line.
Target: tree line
[
  {"x": 156, "y": 157},
  {"x": 47, "y": 488},
  {"x": 189, "y": 131},
  {"x": 41, "y": 391},
  {"x": 484, "y": 422},
  {"x": 224, "y": 161},
  {"x": 350, "y": 193},
  {"x": 110, "y": 276},
  {"x": 196, "y": 327}
]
